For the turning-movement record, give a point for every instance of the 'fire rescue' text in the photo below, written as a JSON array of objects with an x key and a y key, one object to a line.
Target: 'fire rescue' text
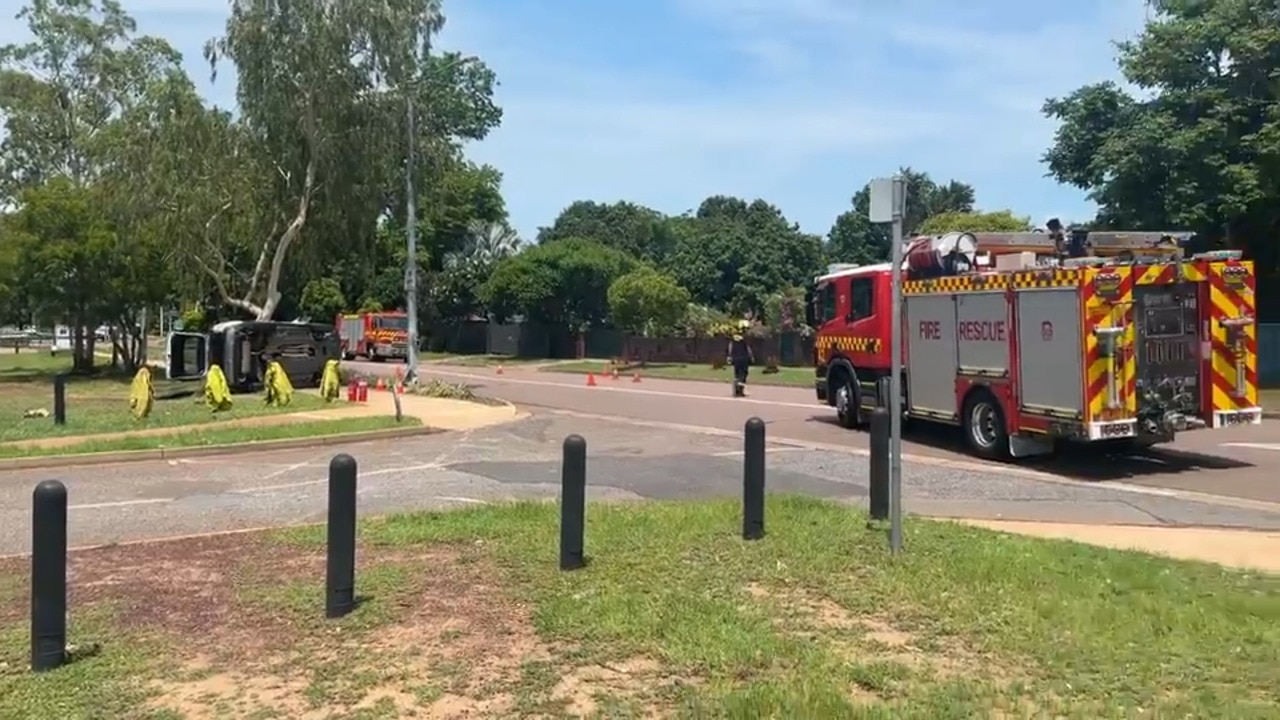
[{"x": 968, "y": 331}]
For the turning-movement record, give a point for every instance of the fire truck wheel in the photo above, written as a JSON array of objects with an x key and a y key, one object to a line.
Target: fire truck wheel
[
  {"x": 847, "y": 404},
  {"x": 984, "y": 428}
]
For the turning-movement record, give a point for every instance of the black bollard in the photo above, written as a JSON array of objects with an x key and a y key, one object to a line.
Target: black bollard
[
  {"x": 340, "y": 571},
  {"x": 48, "y": 576},
  {"x": 753, "y": 480},
  {"x": 879, "y": 465},
  {"x": 60, "y": 399},
  {"x": 573, "y": 503}
]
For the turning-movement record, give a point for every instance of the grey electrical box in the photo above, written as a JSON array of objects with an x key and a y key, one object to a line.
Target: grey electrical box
[{"x": 888, "y": 198}]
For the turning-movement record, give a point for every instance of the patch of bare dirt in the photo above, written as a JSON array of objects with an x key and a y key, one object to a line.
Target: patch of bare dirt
[
  {"x": 243, "y": 640},
  {"x": 579, "y": 689},
  {"x": 875, "y": 639}
]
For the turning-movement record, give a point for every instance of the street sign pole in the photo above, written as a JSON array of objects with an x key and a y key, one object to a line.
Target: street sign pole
[
  {"x": 888, "y": 205},
  {"x": 895, "y": 384}
]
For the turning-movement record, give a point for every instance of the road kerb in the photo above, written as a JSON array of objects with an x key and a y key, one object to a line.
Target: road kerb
[{"x": 128, "y": 456}]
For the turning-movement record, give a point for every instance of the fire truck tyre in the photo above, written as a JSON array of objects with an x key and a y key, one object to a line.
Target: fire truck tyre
[
  {"x": 984, "y": 428},
  {"x": 847, "y": 408}
]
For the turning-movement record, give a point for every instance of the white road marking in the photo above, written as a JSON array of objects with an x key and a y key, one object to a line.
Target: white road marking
[
  {"x": 770, "y": 451},
  {"x": 270, "y": 488},
  {"x": 633, "y": 391},
  {"x": 1252, "y": 446},
  {"x": 286, "y": 470},
  {"x": 465, "y": 500},
  {"x": 1027, "y": 473},
  {"x": 360, "y": 474},
  {"x": 120, "y": 503}
]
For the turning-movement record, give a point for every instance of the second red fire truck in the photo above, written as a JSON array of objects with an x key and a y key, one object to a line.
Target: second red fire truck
[
  {"x": 1024, "y": 340},
  {"x": 374, "y": 335}
]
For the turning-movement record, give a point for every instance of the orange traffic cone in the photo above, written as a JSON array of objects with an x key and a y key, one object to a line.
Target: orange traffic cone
[
  {"x": 382, "y": 384},
  {"x": 499, "y": 369},
  {"x": 591, "y": 379},
  {"x": 635, "y": 378}
]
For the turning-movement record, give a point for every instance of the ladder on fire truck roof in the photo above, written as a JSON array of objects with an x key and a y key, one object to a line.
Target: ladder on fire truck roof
[{"x": 1096, "y": 244}]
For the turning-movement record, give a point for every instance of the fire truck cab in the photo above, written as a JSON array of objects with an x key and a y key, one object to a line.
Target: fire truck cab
[{"x": 1025, "y": 340}]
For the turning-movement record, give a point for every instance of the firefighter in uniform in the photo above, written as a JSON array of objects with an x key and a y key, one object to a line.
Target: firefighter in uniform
[{"x": 740, "y": 358}]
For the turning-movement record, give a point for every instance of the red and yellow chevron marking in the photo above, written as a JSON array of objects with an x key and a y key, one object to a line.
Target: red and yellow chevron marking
[
  {"x": 1108, "y": 302},
  {"x": 1165, "y": 273},
  {"x": 384, "y": 335},
  {"x": 1231, "y": 295}
]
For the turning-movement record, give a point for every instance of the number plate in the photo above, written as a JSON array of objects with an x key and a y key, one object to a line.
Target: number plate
[{"x": 1237, "y": 418}]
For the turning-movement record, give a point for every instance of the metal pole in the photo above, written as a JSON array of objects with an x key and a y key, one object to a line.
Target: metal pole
[
  {"x": 895, "y": 381},
  {"x": 411, "y": 256}
]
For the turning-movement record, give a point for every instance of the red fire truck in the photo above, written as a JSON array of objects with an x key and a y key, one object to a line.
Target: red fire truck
[
  {"x": 1027, "y": 339},
  {"x": 374, "y": 335}
]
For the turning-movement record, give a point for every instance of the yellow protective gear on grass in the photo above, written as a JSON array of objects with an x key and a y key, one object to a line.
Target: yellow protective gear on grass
[
  {"x": 279, "y": 389},
  {"x": 217, "y": 394},
  {"x": 330, "y": 381},
  {"x": 142, "y": 394}
]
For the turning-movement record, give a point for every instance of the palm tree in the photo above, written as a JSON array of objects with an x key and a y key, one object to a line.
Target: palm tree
[{"x": 486, "y": 243}]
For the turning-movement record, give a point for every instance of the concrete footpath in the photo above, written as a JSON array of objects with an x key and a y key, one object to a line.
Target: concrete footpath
[
  {"x": 1244, "y": 549},
  {"x": 438, "y": 413}
]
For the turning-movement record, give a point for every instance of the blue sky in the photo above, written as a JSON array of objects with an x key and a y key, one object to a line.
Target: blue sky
[{"x": 800, "y": 102}]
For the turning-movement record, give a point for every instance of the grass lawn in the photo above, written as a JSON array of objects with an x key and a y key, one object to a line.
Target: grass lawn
[
  {"x": 480, "y": 360},
  {"x": 786, "y": 376},
  {"x": 213, "y": 435},
  {"x": 466, "y": 615},
  {"x": 100, "y": 404}
]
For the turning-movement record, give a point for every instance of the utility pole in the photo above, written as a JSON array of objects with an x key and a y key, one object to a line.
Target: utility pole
[{"x": 411, "y": 255}]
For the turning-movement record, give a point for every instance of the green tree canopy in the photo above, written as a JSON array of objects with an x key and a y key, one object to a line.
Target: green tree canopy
[
  {"x": 563, "y": 283},
  {"x": 997, "y": 221},
  {"x": 855, "y": 239},
  {"x": 732, "y": 254},
  {"x": 634, "y": 229},
  {"x": 647, "y": 302},
  {"x": 1200, "y": 150}
]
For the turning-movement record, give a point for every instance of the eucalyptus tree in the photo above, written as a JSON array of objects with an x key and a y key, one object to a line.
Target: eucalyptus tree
[{"x": 322, "y": 87}]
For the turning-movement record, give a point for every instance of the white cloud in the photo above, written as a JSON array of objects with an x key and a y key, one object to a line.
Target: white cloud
[
  {"x": 829, "y": 93},
  {"x": 797, "y": 101}
]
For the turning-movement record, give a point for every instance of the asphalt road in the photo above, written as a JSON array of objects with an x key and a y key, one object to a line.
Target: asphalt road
[
  {"x": 1230, "y": 462},
  {"x": 654, "y": 439},
  {"x": 626, "y": 460}
]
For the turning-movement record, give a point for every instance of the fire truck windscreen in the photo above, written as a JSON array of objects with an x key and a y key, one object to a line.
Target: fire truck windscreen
[{"x": 391, "y": 323}]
